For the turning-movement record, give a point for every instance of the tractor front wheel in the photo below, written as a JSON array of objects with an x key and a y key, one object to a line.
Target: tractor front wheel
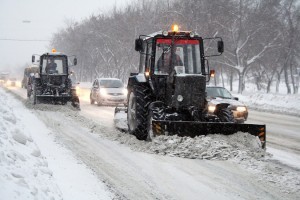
[{"x": 137, "y": 113}]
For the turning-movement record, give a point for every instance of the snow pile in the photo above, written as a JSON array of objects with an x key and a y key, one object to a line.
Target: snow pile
[
  {"x": 24, "y": 171},
  {"x": 119, "y": 121},
  {"x": 211, "y": 147}
]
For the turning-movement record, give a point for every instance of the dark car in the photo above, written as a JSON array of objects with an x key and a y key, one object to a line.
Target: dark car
[
  {"x": 108, "y": 91},
  {"x": 217, "y": 95}
]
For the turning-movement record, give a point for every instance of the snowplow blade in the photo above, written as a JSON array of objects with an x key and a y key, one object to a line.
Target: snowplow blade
[{"x": 192, "y": 129}]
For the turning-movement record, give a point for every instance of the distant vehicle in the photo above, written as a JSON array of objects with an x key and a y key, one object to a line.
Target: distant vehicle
[
  {"x": 3, "y": 78},
  {"x": 108, "y": 91},
  {"x": 12, "y": 82},
  {"x": 217, "y": 95},
  {"x": 52, "y": 84},
  {"x": 27, "y": 72}
]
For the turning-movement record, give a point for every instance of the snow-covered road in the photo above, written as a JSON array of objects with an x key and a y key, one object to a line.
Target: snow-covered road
[
  {"x": 283, "y": 130},
  {"x": 133, "y": 170}
]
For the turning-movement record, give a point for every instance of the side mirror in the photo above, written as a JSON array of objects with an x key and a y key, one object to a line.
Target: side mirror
[
  {"x": 220, "y": 46},
  {"x": 236, "y": 98},
  {"x": 33, "y": 59},
  {"x": 139, "y": 45},
  {"x": 75, "y": 61}
]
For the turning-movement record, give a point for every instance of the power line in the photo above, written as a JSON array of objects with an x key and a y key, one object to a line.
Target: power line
[{"x": 24, "y": 40}]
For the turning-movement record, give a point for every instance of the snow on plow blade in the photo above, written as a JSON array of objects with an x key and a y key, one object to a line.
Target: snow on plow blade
[{"x": 192, "y": 129}]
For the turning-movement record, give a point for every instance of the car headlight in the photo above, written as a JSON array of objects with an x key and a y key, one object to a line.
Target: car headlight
[
  {"x": 241, "y": 108},
  {"x": 211, "y": 108},
  {"x": 77, "y": 88},
  {"x": 125, "y": 91},
  {"x": 103, "y": 92}
]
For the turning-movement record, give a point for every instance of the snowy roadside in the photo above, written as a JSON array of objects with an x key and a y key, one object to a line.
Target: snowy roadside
[
  {"x": 34, "y": 166},
  {"x": 273, "y": 103}
]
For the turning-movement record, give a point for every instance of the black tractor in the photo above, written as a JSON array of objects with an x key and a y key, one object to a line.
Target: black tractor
[
  {"x": 52, "y": 84},
  {"x": 168, "y": 94}
]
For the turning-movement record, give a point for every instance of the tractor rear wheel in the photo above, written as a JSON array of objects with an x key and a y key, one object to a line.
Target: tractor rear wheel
[
  {"x": 92, "y": 101},
  {"x": 137, "y": 113},
  {"x": 75, "y": 102},
  {"x": 33, "y": 94}
]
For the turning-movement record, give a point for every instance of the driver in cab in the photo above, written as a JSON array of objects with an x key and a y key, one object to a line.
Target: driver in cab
[
  {"x": 164, "y": 62},
  {"x": 51, "y": 67}
]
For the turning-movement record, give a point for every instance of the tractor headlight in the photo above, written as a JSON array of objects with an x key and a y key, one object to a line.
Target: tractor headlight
[
  {"x": 211, "y": 108},
  {"x": 192, "y": 34},
  {"x": 77, "y": 89},
  {"x": 180, "y": 98},
  {"x": 241, "y": 109},
  {"x": 103, "y": 92},
  {"x": 165, "y": 33}
]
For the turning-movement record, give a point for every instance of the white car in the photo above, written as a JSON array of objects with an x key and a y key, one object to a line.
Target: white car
[
  {"x": 217, "y": 95},
  {"x": 108, "y": 91}
]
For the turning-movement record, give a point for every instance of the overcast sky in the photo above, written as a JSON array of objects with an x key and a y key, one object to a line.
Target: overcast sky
[{"x": 38, "y": 20}]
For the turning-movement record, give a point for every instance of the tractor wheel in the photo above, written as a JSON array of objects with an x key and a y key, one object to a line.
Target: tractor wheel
[
  {"x": 75, "y": 102},
  {"x": 150, "y": 134},
  {"x": 92, "y": 101},
  {"x": 29, "y": 91},
  {"x": 226, "y": 115},
  {"x": 137, "y": 113},
  {"x": 33, "y": 94},
  {"x": 156, "y": 112}
]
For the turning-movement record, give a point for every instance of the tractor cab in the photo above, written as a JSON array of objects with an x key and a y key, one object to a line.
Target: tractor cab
[{"x": 170, "y": 58}]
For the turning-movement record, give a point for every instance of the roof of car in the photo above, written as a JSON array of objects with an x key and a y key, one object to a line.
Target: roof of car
[
  {"x": 108, "y": 79},
  {"x": 212, "y": 86}
]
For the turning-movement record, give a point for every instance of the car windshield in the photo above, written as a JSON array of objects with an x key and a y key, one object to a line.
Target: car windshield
[
  {"x": 214, "y": 92},
  {"x": 111, "y": 84}
]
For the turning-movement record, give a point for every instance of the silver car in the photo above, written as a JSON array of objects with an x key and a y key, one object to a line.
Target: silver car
[
  {"x": 217, "y": 95},
  {"x": 108, "y": 91}
]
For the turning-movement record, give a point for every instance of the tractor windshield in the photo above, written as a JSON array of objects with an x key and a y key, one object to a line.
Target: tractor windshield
[
  {"x": 54, "y": 65},
  {"x": 185, "y": 58}
]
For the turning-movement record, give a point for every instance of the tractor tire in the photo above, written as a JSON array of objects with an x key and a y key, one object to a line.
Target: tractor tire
[
  {"x": 92, "y": 101},
  {"x": 156, "y": 112},
  {"x": 226, "y": 115},
  {"x": 137, "y": 113},
  {"x": 33, "y": 94},
  {"x": 151, "y": 116},
  {"x": 75, "y": 102}
]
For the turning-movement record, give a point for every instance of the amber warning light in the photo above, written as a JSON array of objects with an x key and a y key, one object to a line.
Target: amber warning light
[
  {"x": 212, "y": 73},
  {"x": 175, "y": 28},
  {"x": 53, "y": 50}
]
